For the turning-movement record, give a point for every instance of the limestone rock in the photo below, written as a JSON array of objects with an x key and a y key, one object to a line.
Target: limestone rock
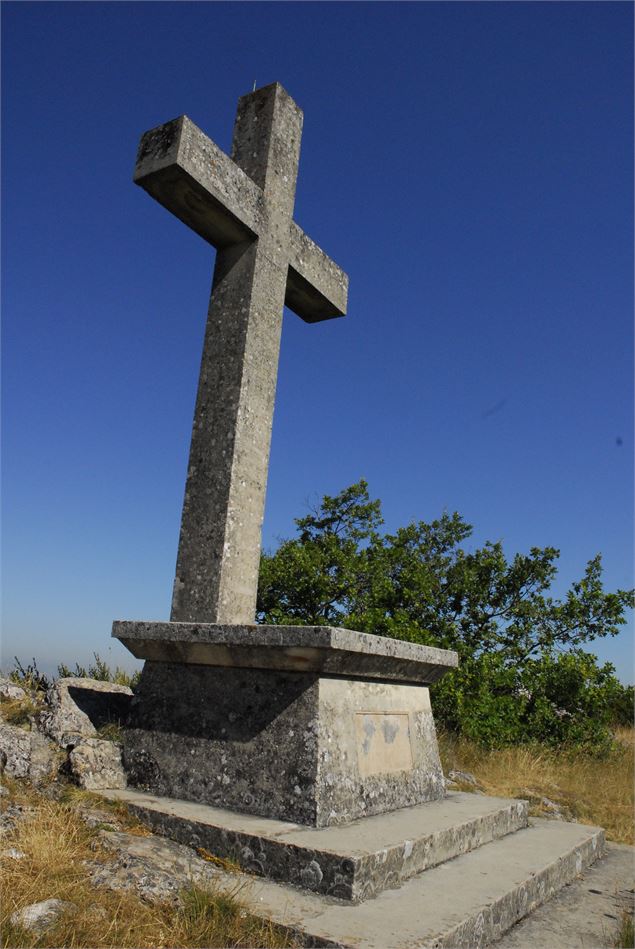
[
  {"x": 12, "y": 853},
  {"x": 77, "y": 707},
  {"x": 251, "y": 197},
  {"x": 44, "y": 760},
  {"x": 97, "y": 764},
  {"x": 38, "y": 917},
  {"x": 462, "y": 777},
  {"x": 11, "y": 815},
  {"x": 156, "y": 868},
  {"x": 544, "y": 806},
  {"x": 15, "y": 750},
  {"x": 10, "y": 690},
  {"x": 551, "y": 807},
  {"x": 93, "y": 817},
  {"x": 25, "y": 754}
]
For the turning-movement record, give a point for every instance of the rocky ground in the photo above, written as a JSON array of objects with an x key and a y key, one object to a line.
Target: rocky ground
[
  {"x": 65, "y": 742},
  {"x": 69, "y": 729},
  {"x": 119, "y": 885}
]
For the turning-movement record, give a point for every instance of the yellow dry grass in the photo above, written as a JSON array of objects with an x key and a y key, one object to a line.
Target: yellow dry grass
[
  {"x": 18, "y": 711},
  {"x": 597, "y": 791},
  {"x": 56, "y": 842},
  {"x": 625, "y": 936}
]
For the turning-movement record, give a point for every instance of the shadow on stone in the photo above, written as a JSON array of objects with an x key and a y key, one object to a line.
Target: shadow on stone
[
  {"x": 101, "y": 708},
  {"x": 228, "y": 705}
]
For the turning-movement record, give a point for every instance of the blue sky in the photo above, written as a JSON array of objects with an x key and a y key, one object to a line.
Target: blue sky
[{"x": 469, "y": 166}]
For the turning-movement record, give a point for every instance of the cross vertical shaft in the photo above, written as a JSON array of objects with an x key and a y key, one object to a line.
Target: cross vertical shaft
[
  {"x": 219, "y": 545},
  {"x": 243, "y": 205}
]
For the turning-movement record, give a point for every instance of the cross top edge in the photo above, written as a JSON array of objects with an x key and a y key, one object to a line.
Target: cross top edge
[{"x": 272, "y": 88}]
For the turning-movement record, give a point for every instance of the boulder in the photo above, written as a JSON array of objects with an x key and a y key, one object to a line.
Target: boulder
[
  {"x": 156, "y": 868},
  {"x": 554, "y": 811},
  {"x": 26, "y": 754},
  {"x": 463, "y": 777},
  {"x": 44, "y": 759},
  {"x": 10, "y": 690},
  {"x": 76, "y": 708},
  {"x": 38, "y": 917},
  {"x": 96, "y": 764},
  {"x": 15, "y": 750},
  {"x": 10, "y": 816},
  {"x": 95, "y": 818}
]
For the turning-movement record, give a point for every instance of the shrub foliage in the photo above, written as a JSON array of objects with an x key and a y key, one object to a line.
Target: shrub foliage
[{"x": 524, "y": 674}]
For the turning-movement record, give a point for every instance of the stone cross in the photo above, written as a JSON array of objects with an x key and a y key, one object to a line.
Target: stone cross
[{"x": 243, "y": 205}]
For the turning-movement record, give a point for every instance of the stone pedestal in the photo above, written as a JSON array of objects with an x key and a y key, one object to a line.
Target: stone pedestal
[{"x": 314, "y": 725}]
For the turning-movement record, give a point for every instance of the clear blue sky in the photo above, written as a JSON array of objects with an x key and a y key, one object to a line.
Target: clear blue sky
[{"x": 469, "y": 165}]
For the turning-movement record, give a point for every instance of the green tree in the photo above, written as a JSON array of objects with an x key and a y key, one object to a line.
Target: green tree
[{"x": 520, "y": 648}]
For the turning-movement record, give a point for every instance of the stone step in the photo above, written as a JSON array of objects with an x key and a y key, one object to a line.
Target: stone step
[
  {"x": 353, "y": 862},
  {"x": 588, "y": 913},
  {"x": 464, "y": 903}
]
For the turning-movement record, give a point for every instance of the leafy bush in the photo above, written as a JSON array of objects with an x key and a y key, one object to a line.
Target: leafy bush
[
  {"x": 523, "y": 673},
  {"x": 554, "y": 700},
  {"x": 622, "y": 706}
]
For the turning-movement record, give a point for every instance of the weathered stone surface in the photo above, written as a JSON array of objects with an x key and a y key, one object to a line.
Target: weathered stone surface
[
  {"x": 38, "y": 917},
  {"x": 326, "y": 649},
  {"x": 465, "y": 902},
  {"x": 244, "y": 206},
  {"x": 96, "y": 764},
  {"x": 462, "y": 777},
  {"x": 11, "y": 815},
  {"x": 94, "y": 817},
  {"x": 280, "y": 744},
  {"x": 12, "y": 853},
  {"x": 10, "y": 690},
  {"x": 377, "y": 749},
  {"x": 354, "y": 862},
  {"x": 190, "y": 176},
  {"x": 25, "y": 754},
  {"x": 316, "y": 287},
  {"x": 15, "y": 750},
  {"x": 544, "y": 806},
  {"x": 551, "y": 809},
  {"x": 193, "y": 733},
  {"x": 45, "y": 759},
  {"x": 587, "y": 913},
  {"x": 157, "y": 869},
  {"x": 77, "y": 707}
]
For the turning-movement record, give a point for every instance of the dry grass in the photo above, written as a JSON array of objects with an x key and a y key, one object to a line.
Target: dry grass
[
  {"x": 18, "y": 711},
  {"x": 56, "y": 842},
  {"x": 73, "y": 797},
  {"x": 591, "y": 790},
  {"x": 625, "y": 937}
]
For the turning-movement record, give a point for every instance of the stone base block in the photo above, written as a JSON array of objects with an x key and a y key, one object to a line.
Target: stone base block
[
  {"x": 352, "y": 863},
  {"x": 295, "y": 746}
]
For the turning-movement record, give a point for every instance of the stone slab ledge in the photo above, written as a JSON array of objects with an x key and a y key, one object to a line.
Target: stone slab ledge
[{"x": 325, "y": 650}]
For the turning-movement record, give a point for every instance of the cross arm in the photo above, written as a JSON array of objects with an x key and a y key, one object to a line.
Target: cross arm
[
  {"x": 317, "y": 288},
  {"x": 179, "y": 166}
]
